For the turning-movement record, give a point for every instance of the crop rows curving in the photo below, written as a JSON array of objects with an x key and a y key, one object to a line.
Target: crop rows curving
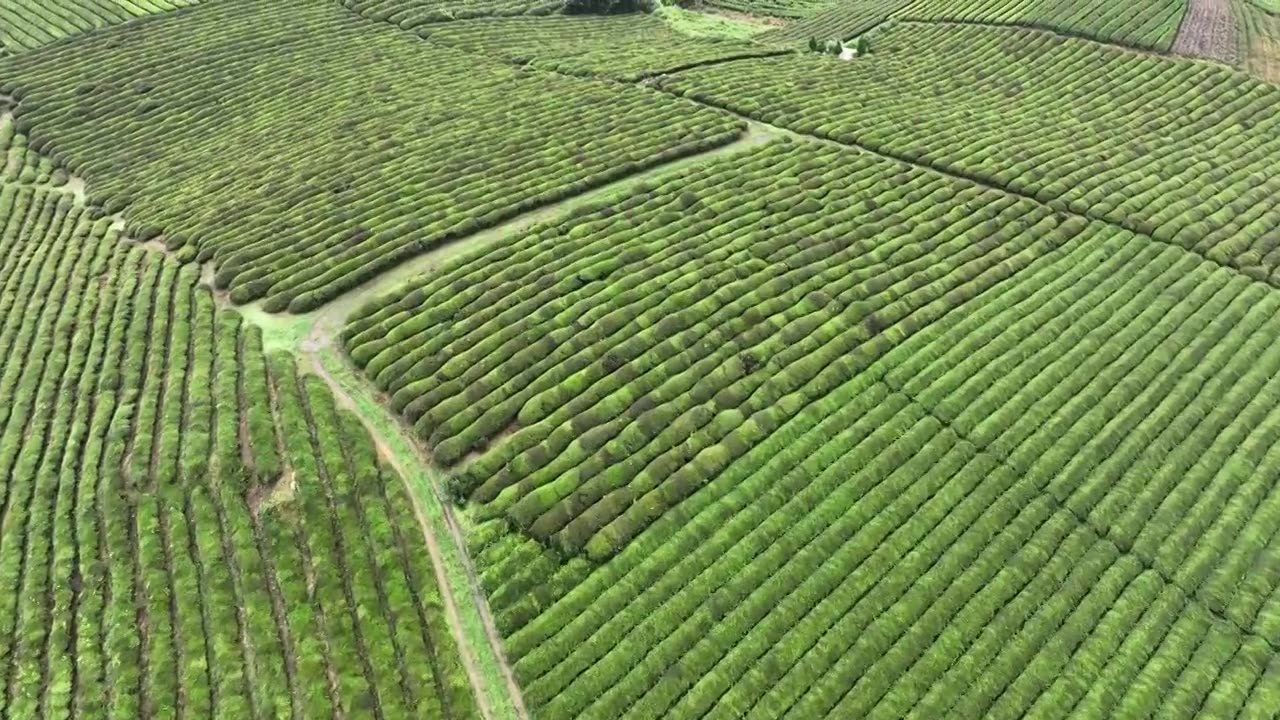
[
  {"x": 1057, "y": 499},
  {"x": 1149, "y": 24},
  {"x": 836, "y": 20},
  {"x": 1259, "y": 40},
  {"x": 775, "y": 8},
  {"x": 369, "y": 146},
  {"x": 627, "y": 47},
  {"x": 634, "y": 351},
  {"x": 190, "y": 529},
  {"x": 1174, "y": 149},
  {"x": 29, "y": 24},
  {"x": 409, "y": 14}
]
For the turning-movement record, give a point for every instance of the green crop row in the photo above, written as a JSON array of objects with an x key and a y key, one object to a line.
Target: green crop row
[
  {"x": 637, "y": 350},
  {"x": 836, "y": 20},
  {"x": 1141, "y": 395},
  {"x": 367, "y": 146},
  {"x": 627, "y": 47},
  {"x": 1055, "y": 500},
  {"x": 192, "y": 529},
  {"x": 774, "y": 8},
  {"x": 1178, "y": 150},
  {"x": 1259, "y": 39},
  {"x": 29, "y": 24},
  {"x": 1151, "y": 24},
  {"x": 1148, "y": 24},
  {"x": 410, "y": 14}
]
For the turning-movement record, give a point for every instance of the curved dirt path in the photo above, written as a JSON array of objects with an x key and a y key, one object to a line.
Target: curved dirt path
[{"x": 314, "y": 338}]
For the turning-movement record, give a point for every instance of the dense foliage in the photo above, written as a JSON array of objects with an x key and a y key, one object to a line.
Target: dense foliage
[
  {"x": 1052, "y": 499},
  {"x": 1140, "y": 23},
  {"x": 410, "y": 14},
  {"x": 191, "y": 529},
  {"x": 362, "y": 147},
  {"x": 639, "y": 349},
  {"x": 837, "y": 21},
  {"x": 626, "y": 47},
  {"x": 29, "y": 24},
  {"x": 1041, "y": 483},
  {"x": 1182, "y": 151}
]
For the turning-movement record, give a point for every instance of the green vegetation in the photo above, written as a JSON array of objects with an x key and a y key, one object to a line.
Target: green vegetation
[
  {"x": 191, "y": 527},
  {"x": 1139, "y": 23},
  {"x": 409, "y": 14},
  {"x": 1260, "y": 39},
  {"x": 688, "y": 376},
  {"x": 708, "y": 25},
  {"x": 29, "y": 24},
  {"x": 640, "y": 348},
  {"x": 837, "y": 21},
  {"x": 1151, "y": 24},
  {"x": 1177, "y": 150},
  {"x": 626, "y": 47},
  {"x": 774, "y": 8},
  {"x": 935, "y": 451},
  {"x": 364, "y": 146}
]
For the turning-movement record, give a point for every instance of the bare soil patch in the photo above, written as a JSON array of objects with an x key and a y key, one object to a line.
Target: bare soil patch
[{"x": 1209, "y": 31}]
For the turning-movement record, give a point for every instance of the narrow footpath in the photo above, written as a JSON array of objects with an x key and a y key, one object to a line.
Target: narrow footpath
[{"x": 314, "y": 339}]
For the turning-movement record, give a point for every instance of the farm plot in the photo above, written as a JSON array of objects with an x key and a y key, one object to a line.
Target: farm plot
[
  {"x": 29, "y": 24},
  {"x": 362, "y": 147},
  {"x": 1175, "y": 149},
  {"x": 772, "y": 8},
  {"x": 1260, "y": 41},
  {"x": 836, "y": 21},
  {"x": 633, "y": 351},
  {"x": 1209, "y": 31},
  {"x": 409, "y": 14},
  {"x": 1151, "y": 24},
  {"x": 190, "y": 527},
  {"x": 627, "y": 47},
  {"x": 1059, "y": 499}
]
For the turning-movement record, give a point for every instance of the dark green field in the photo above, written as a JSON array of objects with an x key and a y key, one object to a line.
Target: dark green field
[{"x": 589, "y": 359}]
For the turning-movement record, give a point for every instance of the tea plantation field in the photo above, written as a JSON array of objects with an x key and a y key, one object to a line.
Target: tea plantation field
[{"x": 568, "y": 359}]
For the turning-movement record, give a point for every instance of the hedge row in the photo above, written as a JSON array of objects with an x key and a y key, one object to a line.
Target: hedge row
[
  {"x": 167, "y": 554},
  {"x": 774, "y": 8},
  {"x": 29, "y": 24},
  {"x": 1055, "y": 500},
  {"x": 835, "y": 20},
  {"x": 627, "y": 47},
  {"x": 1150, "y": 24},
  {"x": 410, "y": 14},
  {"x": 638, "y": 349},
  {"x": 1142, "y": 395},
  {"x": 378, "y": 146},
  {"x": 1175, "y": 149}
]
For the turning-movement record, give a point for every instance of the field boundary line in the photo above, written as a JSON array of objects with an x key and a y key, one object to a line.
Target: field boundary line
[
  {"x": 956, "y": 174},
  {"x": 1123, "y": 548}
]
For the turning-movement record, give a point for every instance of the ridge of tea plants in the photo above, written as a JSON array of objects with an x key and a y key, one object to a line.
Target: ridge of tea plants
[{"x": 499, "y": 359}]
